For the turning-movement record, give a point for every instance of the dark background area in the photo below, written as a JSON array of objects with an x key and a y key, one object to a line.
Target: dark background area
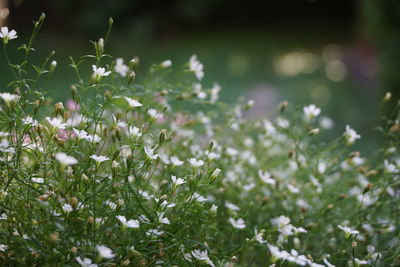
[{"x": 339, "y": 54}]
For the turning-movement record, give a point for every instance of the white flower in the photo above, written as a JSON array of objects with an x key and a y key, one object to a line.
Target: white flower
[
  {"x": 7, "y": 97},
  {"x": 150, "y": 153},
  {"x": 29, "y": 121},
  {"x": 198, "y": 197},
  {"x": 196, "y": 67},
  {"x": 195, "y": 162},
  {"x": 99, "y": 159},
  {"x": 163, "y": 219},
  {"x": 216, "y": 173},
  {"x": 327, "y": 263},
  {"x": 326, "y": 123},
  {"x": 81, "y": 134},
  {"x": 266, "y": 177},
  {"x": 38, "y": 180},
  {"x": 5, "y": 147},
  {"x": 348, "y": 231},
  {"x": 166, "y": 63},
  {"x": 389, "y": 167},
  {"x": 120, "y": 67},
  {"x": 132, "y": 102},
  {"x": 202, "y": 256},
  {"x": 67, "y": 208},
  {"x": 360, "y": 262},
  {"x": 280, "y": 221},
  {"x": 214, "y": 208},
  {"x": 215, "y": 93},
  {"x": 175, "y": 161},
  {"x": 85, "y": 262},
  {"x": 65, "y": 159},
  {"x": 134, "y": 131},
  {"x": 311, "y": 111},
  {"x": 231, "y": 206},
  {"x": 153, "y": 113},
  {"x": 7, "y": 35},
  {"x": 177, "y": 181},
  {"x": 98, "y": 73},
  {"x": 351, "y": 135},
  {"x": 3, "y": 247},
  {"x": 105, "y": 252},
  {"x": 130, "y": 223},
  {"x": 239, "y": 223},
  {"x": 56, "y": 123}
]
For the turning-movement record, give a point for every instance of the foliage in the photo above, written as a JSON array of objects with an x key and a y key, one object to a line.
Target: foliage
[{"x": 161, "y": 173}]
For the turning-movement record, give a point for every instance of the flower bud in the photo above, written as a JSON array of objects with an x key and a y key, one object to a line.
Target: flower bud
[
  {"x": 387, "y": 97},
  {"x": 53, "y": 66},
  {"x": 215, "y": 173}
]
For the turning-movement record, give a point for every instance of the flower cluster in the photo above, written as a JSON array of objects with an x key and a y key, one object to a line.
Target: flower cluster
[{"x": 148, "y": 176}]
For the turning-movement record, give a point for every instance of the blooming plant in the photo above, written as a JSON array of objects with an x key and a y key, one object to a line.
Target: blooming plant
[{"x": 132, "y": 177}]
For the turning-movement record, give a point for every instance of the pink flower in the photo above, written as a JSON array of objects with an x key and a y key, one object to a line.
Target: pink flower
[{"x": 72, "y": 105}]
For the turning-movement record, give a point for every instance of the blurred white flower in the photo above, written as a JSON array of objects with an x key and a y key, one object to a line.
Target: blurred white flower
[
  {"x": 67, "y": 208},
  {"x": 195, "y": 162},
  {"x": 176, "y": 161},
  {"x": 65, "y": 159},
  {"x": 98, "y": 73},
  {"x": 120, "y": 67},
  {"x": 7, "y": 97},
  {"x": 132, "y": 102},
  {"x": 105, "y": 252},
  {"x": 7, "y": 35},
  {"x": 38, "y": 180},
  {"x": 150, "y": 153},
  {"x": 239, "y": 223},
  {"x": 311, "y": 111},
  {"x": 266, "y": 177},
  {"x": 196, "y": 67},
  {"x": 85, "y": 262},
  {"x": 166, "y": 63},
  {"x": 177, "y": 181},
  {"x": 99, "y": 159},
  {"x": 348, "y": 231},
  {"x": 56, "y": 123},
  {"x": 351, "y": 135},
  {"x": 162, "y": 219},
  {"x": 128, "y": 224}
]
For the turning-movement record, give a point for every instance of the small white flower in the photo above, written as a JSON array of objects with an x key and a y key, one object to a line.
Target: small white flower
[
  {"x": 266, "y": 177},
  {"x": 65, "y": 159},
  {"x": 67, "y": 208},
  {"x": 166, "y": 63},
  {"x": 132, "y": 102},
  {"x": 105, "y": 252},
  {"x": 56, "y": 123},
  {"x": 214, "y": 95},
  {"x": 348, "y": 231},
  {"x": 231, "y": 206},
  {"x": 38, "y": 180},
  {"x": 196, "y": 196},
  {"x": 3, "y": 247},
  {"x": 175, "y": 161},
  {"x": 7, "y": 35},
  {"x": 195, "y": 162},
  {"x": 134, "y": 131},
  {"x": 29, "y": 121},
  {"x": 81, "y": 134},
  {"x": 85, "y": 262},
  {"x": 351, "y": 135},
  {"x": 311, "y": 111},
  {"x": 153, "y": 113},
  {"x": 177, "y": 181},
  {"x": 162, "y": 219},
  {"x": 128, "y": 224},
  {"x": 239, "y": 223},
  {"x": 120, "y": 67},
  {"x": 215, "y": 173},
  {"x": 196, "y": 67},
  {"x": 214, "y": 208},
  {"x": 150, "y": 153},
  {"x": 99, "y": 159},
  {"x": 98, "y": 73},
  {"x": 7, "y": 97}
]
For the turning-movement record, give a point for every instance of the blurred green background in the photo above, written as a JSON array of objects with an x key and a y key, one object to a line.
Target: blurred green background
[{"x": 339, "y": 54}]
